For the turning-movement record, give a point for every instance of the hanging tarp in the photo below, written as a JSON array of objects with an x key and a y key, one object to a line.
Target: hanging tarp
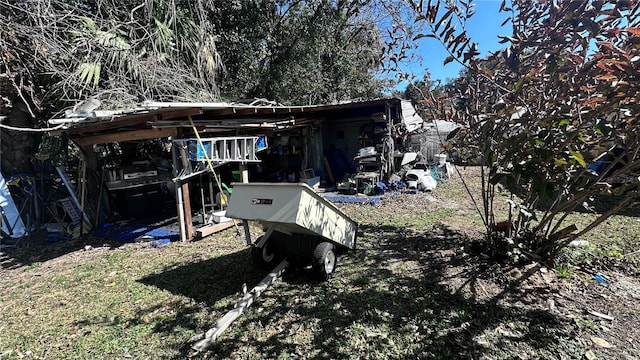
[
  {"x": 11, "y": 222},
  {"x": 410, "y": 117}
]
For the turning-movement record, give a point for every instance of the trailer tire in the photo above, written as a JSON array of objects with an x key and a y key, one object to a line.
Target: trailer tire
[
  {"x": 263, "y": 256},
  {"x": 324, "y": 261}
]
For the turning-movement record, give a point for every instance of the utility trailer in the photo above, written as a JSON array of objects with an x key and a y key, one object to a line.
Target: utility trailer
[
  {"x": 299, "y": 224},
  {"x": 301, "y": 228}
]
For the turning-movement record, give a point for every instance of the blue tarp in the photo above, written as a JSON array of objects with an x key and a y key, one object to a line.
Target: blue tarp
[
  {"x": 371, "y": 200},
  {"x": 130, "y": 233}
]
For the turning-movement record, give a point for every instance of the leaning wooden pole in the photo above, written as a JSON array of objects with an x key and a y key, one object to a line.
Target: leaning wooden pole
[{"x": 204, "y": 340}]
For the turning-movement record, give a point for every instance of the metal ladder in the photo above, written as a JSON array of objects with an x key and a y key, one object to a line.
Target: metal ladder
[{"x": 220, "y": 150}]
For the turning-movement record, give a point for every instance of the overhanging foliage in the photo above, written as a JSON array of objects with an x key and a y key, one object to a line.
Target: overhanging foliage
[{"x": 553, "y": 116}]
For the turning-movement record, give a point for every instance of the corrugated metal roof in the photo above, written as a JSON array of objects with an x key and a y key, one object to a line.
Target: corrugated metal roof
[{"x": 224, "y": 116}]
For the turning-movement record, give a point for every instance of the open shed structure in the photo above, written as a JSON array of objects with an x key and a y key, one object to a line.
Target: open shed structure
[{"x": 315, "y": 144}]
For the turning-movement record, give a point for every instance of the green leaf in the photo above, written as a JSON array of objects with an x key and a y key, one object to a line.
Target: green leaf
[
  {"x": 604, "y": 127},
  {"x": 579, "y": 158},
  {"x": 96, "y": 73},
  {"x": 86, "y": 72},
  {"x": 494, "y": 180},
  {"x": 518, "y": 84}
]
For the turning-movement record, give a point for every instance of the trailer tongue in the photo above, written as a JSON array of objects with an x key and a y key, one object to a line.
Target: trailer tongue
[
  {"x": 203, "y": 340},
  {"x": 301, "y": 227}
]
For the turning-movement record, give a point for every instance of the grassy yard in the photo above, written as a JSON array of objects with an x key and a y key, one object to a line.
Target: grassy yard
[{"x": 415, "y": 288}]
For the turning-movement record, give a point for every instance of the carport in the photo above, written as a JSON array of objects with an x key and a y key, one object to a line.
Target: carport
[{"x": 304, "y": 142}]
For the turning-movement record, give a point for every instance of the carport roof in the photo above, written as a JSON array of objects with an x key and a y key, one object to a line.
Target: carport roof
[{"x": 162, "y": 119}]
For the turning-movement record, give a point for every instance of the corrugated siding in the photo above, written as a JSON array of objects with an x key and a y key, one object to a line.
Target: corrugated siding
[
  {"x": 427, "y": 144},
  {"x": 429, "y": 141}
]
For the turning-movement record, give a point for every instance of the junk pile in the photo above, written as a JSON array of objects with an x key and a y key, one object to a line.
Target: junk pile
[
  {"x": 367, "y": 180},
  {"x": 399, "y": 158},
  {"x": 415, "y": 174}
]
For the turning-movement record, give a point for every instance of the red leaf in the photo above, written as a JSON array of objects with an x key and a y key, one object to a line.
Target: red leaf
[
  {"x": 602, "y": 65},
  {"x": 634, "y": 31},
  {"x": 448, "y": 60},
  {"x": 606, "y": 77}
]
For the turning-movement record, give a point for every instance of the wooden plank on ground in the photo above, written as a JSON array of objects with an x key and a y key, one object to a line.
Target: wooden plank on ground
[{"x": 213, "y": 228}]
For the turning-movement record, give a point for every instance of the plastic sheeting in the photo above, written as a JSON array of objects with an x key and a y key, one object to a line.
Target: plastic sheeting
[
  {"x": 410, "y": 117},
  {"x": 10, "y": 213}
]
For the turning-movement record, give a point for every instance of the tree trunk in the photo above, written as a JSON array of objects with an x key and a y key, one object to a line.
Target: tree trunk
[{"x": 18, "y": 147}]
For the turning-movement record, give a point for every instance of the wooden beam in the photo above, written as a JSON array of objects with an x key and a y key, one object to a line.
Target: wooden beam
[
  {"x": 89, "y": 156},
  {"x": 125, "y": 136},
  {"x": 186, "y": 203},
  {"x": 183, "y": 113},
  {"x": 213, "y": 228},
  {"x": 129, "y": 121},
  {"x": 126, "y": 121}
]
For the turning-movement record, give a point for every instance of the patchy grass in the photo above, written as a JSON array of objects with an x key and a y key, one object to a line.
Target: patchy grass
[{"x": 413, "y": 289}]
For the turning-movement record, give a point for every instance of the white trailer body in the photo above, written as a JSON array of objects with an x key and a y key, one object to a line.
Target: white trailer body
[{"x": 292, "y": 208}]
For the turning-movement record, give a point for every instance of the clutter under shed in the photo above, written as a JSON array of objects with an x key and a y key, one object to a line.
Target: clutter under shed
[{"x": 182, "y": 158}]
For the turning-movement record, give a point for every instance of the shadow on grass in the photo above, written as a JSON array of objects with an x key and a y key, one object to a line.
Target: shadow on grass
[
  {"x": 392, "y": 297},
  {"x": 39, "y": 248},
  {"x": 176, "y": 320},
  {"x": 598, "y": 203},
  {"x": 602, "y": 203},
  {"x": 210, "y": 280}
]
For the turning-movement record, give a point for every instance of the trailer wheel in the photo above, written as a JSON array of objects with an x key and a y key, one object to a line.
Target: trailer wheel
[
  {"x": 324, "y": 261},
  {"x": 263, "y": 256}
]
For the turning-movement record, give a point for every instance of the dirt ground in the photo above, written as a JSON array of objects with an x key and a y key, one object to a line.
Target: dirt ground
[{"x": 426, "y": 283}]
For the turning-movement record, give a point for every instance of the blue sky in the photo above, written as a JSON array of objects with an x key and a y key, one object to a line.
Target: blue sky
[{"x": 483, "y": 28}]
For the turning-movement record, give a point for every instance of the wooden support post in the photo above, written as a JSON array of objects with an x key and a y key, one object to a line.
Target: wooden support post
[
  {"x": 180, "y": 209},
  {"x": 177, "y": 168},
  {"x": 203, "y": 202},
  {"x": 244, "y": 173},
  {"x": 89, "y": 156},
  {"x": 328, "y": 169},
  {"x": 212, "y": 195},
  {"x": 204, "y": 340},
  {"x": 186, "y": 205}
]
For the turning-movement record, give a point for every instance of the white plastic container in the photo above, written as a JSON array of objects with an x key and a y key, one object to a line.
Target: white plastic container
[
  {"x": 368, "y": 151},
  {"x": 219, "y": 217}
]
